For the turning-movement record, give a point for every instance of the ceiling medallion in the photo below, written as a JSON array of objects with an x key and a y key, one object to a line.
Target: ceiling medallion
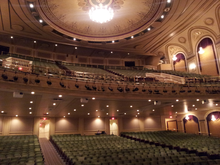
[{"x": 100, "y": 11}]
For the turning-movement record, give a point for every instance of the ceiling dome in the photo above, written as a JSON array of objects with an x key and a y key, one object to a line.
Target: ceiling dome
[{"x": 71, "y": 17}]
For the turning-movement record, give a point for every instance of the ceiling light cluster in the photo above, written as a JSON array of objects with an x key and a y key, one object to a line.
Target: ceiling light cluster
[{"x": 101, "y": 14}]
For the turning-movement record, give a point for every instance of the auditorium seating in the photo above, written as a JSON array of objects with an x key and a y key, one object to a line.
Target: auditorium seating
[
  {"x": 22, "y": 150},
  {"x": 114, "y": 150},
  {"x": 199, "y": 144}
]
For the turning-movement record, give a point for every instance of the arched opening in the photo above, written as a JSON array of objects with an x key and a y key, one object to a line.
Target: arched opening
[
  {"x": 213, "y": 122},
  {"x": 180, "y": 63},
  {"x": 191, "y": 124},
  {"x": 207, "y": 58}
]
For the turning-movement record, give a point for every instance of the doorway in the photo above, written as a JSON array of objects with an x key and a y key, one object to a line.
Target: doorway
[
  {"x": 114, "y": 127},
  {"x": 44, "y": 129}
]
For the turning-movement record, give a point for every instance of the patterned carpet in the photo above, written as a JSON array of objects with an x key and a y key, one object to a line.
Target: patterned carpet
[{"x": 50, "y": 155}]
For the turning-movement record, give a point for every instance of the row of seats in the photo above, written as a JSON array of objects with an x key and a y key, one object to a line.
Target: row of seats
[
  {"x": 22, "y": 150},
  {"x": 114, "y": 150},
  {"x": 201, "y": 145}
]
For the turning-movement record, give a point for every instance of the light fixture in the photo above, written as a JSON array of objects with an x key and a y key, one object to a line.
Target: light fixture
[
  {"x": 101, "y": 14},
  {"x": 174, "y": 58},
  {"x": 74, "y": 110},
  {"x": 54, "y": 103},
  {"x": 192, "y": 66},
  {"x": 2, "y": 111},
  {"x": 30, "y": 113},
  {"x": 187, "y": 117},
  {"x": 32, "y": 93},
  {"x": 16, "y": 115},
  {"x": 31, "y": 102},
  {"x": 111, "y": 51},
  {"x": 168, "y": 1},
  {"x": 213, "y": 118},
  {"x": 106, "y": 113},
  {"x": 177, "y": 100},
  {"x": 30, "y": 108},
  {"x": 153, "y": 110},
  {"x": 88, "y": 113},
  {"x": 196, "y": 109},
  {"x": 172, "y": 105},
  {"x": 149, "y": 29},
  {"x": 60, "y": 96},
  {"x": 47, "y": 113},
  {"x": 124, "y": 113},
  {"x": 68, "y": 113},
  {"x": 201, "y": 51},
  {"x": 98, "y": 116},
  {"x": 138, "y": 113},
  {"x": 117, "y": 110},
  {"x": 216, "y": 104},
  {"x": 162, "y": 16},
  {"x": 113, "y": 41},
  {"x": 74, "y": 39},
  {"x": 55, "y": 44},
  {"x": 31, "y": 5},
  {"x": 132, "y": 36},
  {"x": 149, "y": 100},
  {"x": 171, "y": 117},
  {"x": 176, "y": 112},
  {"x": 107, "y": 105},
  {"x": 97, "y": 110},
  {"x": 35, "y": 42},
  {"x": 197, "y": 99},
  {"x": 131, "y": 106},
  {"x": 12, "y": 37},
  {"x": 93, "y": 98},
  {"x": 40, "y": 20},
  {"x": 137, "y": 110},
  {"x": 82, "y": 105},
  {"x": 128, "y": 53},
  {"x": 193, "y": 105},
  {"x": 75, "y": 47},
  {"x": 64, "y": 116}
]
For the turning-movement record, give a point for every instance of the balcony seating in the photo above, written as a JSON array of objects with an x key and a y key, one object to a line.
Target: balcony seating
[
  {"x": 22, "y": 150},
  {"x": 201, "y": 145},
  {"x": 113, "y": 150}
]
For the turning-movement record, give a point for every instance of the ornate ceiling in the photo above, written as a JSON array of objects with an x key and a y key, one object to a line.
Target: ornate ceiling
[{"x": 72, "y": 18}]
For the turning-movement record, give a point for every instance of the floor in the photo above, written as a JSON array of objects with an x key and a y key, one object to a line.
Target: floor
[{"x": 51, "y": 156}]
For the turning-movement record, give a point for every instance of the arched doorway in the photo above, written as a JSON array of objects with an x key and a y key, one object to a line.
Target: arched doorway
[
  {"x": 213, "y": 122},
  {"x": 207, "y": 58},
  {"x": 180, "y": 63},
  {"x": 191, "y": 124}
]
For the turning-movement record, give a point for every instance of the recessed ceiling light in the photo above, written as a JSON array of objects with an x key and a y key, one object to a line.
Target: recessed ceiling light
[
  {"x": 106, "y": 113},
  {"x": 137, "y": 110},
  {"x": 54, "y": 103},
  {"x": 97, "y": 110},
  {"x": 64, "y": 116},
  {"x": 149, "y": 100},
  {"x": 35, "y": 42},
  {"x": 168, "y": 1},
  {"x": 107, "y": 105},
  {"x": 124, "y": 113},
  {"x": 12, "y": 37},
  {"x": 131, "y": 106},
  {"x": 138, "y": 113},
  {"x": 30, "y": 113},
  {"x": 55, "y": 44},
  {"x": 40, "y": 20},
  {"x": 128, "y": 53},
  {"x": 88, "y": 113},
  {"x": 74, "y": 110},
  {"x": 2, "y": 111},
  {"x": 117, "y": 110},
  {"x": 16, "y": 115},
  {"x": 32, "y": 93},
  {"x": 30, "y": 108},
  {"x": 197, "y": 99},
  {"x": 176, "y": 112},
  {"x": 31, "y": 5},
  {"x": 162, "y": 16},
  {"x": 31, "y": 102},
  {"x": 111, "y": 51},
  {"x": 193, "y": 105},
  {"x": 216, "y": 104},
  {"x": 75, "y": 47},
  {"x": 82, "y": 105},
  {"x": 132, "y": 36},
  {"x": 113, "y": 41},
  {"x": 60, "y": 95},
  {"x": 93, "y": 98},
  {"x": 74, "y": 39},
  {"x": 153, "y": 110},
  {"x": 98, "y": 116},
  {"x": 195, "y": 108},
  {"x": 47, "y": 113},
  {"x": 172, "y": 105},
  {"x": 149, "y": 29},
  {"x": 68, "y": 113},
  {"x": 177, "y": 100}
]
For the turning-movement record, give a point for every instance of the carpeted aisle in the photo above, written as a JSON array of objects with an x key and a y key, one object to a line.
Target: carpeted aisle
[{"x": 50, "y": 155}]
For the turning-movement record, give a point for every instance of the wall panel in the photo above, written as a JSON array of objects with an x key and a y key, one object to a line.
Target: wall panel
[
  {"x": 21, "y": 125},
  {"x": 66, "y": 125}
]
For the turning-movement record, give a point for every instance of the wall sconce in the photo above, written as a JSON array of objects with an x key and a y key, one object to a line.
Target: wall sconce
[
  {"x": 187, "y": 117},
  {"x": 213, "y": 118},
  {"x": 201, "y": 50},
  {"x": 174, "y": 58}
]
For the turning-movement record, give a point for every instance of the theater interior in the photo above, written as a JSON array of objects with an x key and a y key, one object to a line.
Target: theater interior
[{"x": 109, "y": 82}]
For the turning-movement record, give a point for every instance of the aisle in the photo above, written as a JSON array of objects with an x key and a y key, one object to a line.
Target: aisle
[{"x": 50, "y": 155}]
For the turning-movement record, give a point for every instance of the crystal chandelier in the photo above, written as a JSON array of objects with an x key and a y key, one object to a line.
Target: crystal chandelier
[{"x": 101, "y": 14}]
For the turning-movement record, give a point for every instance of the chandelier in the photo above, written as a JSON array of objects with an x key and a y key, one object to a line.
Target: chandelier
[{"x": 101, "y": 14}]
